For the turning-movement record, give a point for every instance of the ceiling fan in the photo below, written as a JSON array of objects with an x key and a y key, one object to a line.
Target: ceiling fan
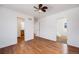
[{"x": 41, "y": 8}]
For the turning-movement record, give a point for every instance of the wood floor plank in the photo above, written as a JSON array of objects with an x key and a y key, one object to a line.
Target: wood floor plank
[{"x": 37, "y": 46}]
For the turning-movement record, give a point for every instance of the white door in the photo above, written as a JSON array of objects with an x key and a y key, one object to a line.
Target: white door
[{"x": 29, "y": 29}]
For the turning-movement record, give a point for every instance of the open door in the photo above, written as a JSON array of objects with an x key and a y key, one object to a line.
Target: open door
[
  {"x": 29, "y": 29},
  {"x": 20, "y": 29},
  {"x": 62, "y": 30},
  {"x": 62, "y": 33}
]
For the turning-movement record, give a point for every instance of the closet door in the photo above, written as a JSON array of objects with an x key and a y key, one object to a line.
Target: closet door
[{"x": 29, "y": 27}]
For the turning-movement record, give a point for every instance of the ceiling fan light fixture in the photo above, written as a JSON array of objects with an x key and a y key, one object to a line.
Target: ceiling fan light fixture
[
  {"x": 40, "y": 11},
  {"x": 41, "y": 8}
]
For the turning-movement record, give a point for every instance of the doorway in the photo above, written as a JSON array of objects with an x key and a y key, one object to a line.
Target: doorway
[
  {"x": 20, "y": 30},
  {"x": 62, "y": 30}
]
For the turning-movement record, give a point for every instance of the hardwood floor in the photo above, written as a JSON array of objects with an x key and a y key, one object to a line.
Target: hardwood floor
[
  {"x": 37, "y": 46},
  {"x": 73, "y": 50}
]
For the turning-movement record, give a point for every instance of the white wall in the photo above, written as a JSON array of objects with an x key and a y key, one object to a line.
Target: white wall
[
  {"x": 73, "y": 28},
  {"x": 8, "y": 26},
  {"x": 48, "y": 26},
  {"x": 36, "y": 27}
]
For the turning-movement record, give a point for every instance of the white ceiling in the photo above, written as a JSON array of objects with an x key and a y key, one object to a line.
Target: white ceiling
[{"x": 29, "y": 10}]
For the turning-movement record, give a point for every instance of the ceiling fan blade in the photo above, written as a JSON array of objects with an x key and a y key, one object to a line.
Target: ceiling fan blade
[
  {"x": 43, "y": 10},
  {"x": 45, "y": 7},
  {"x": 35, "y": 7},
  {"x": 40, "y": 5}
]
